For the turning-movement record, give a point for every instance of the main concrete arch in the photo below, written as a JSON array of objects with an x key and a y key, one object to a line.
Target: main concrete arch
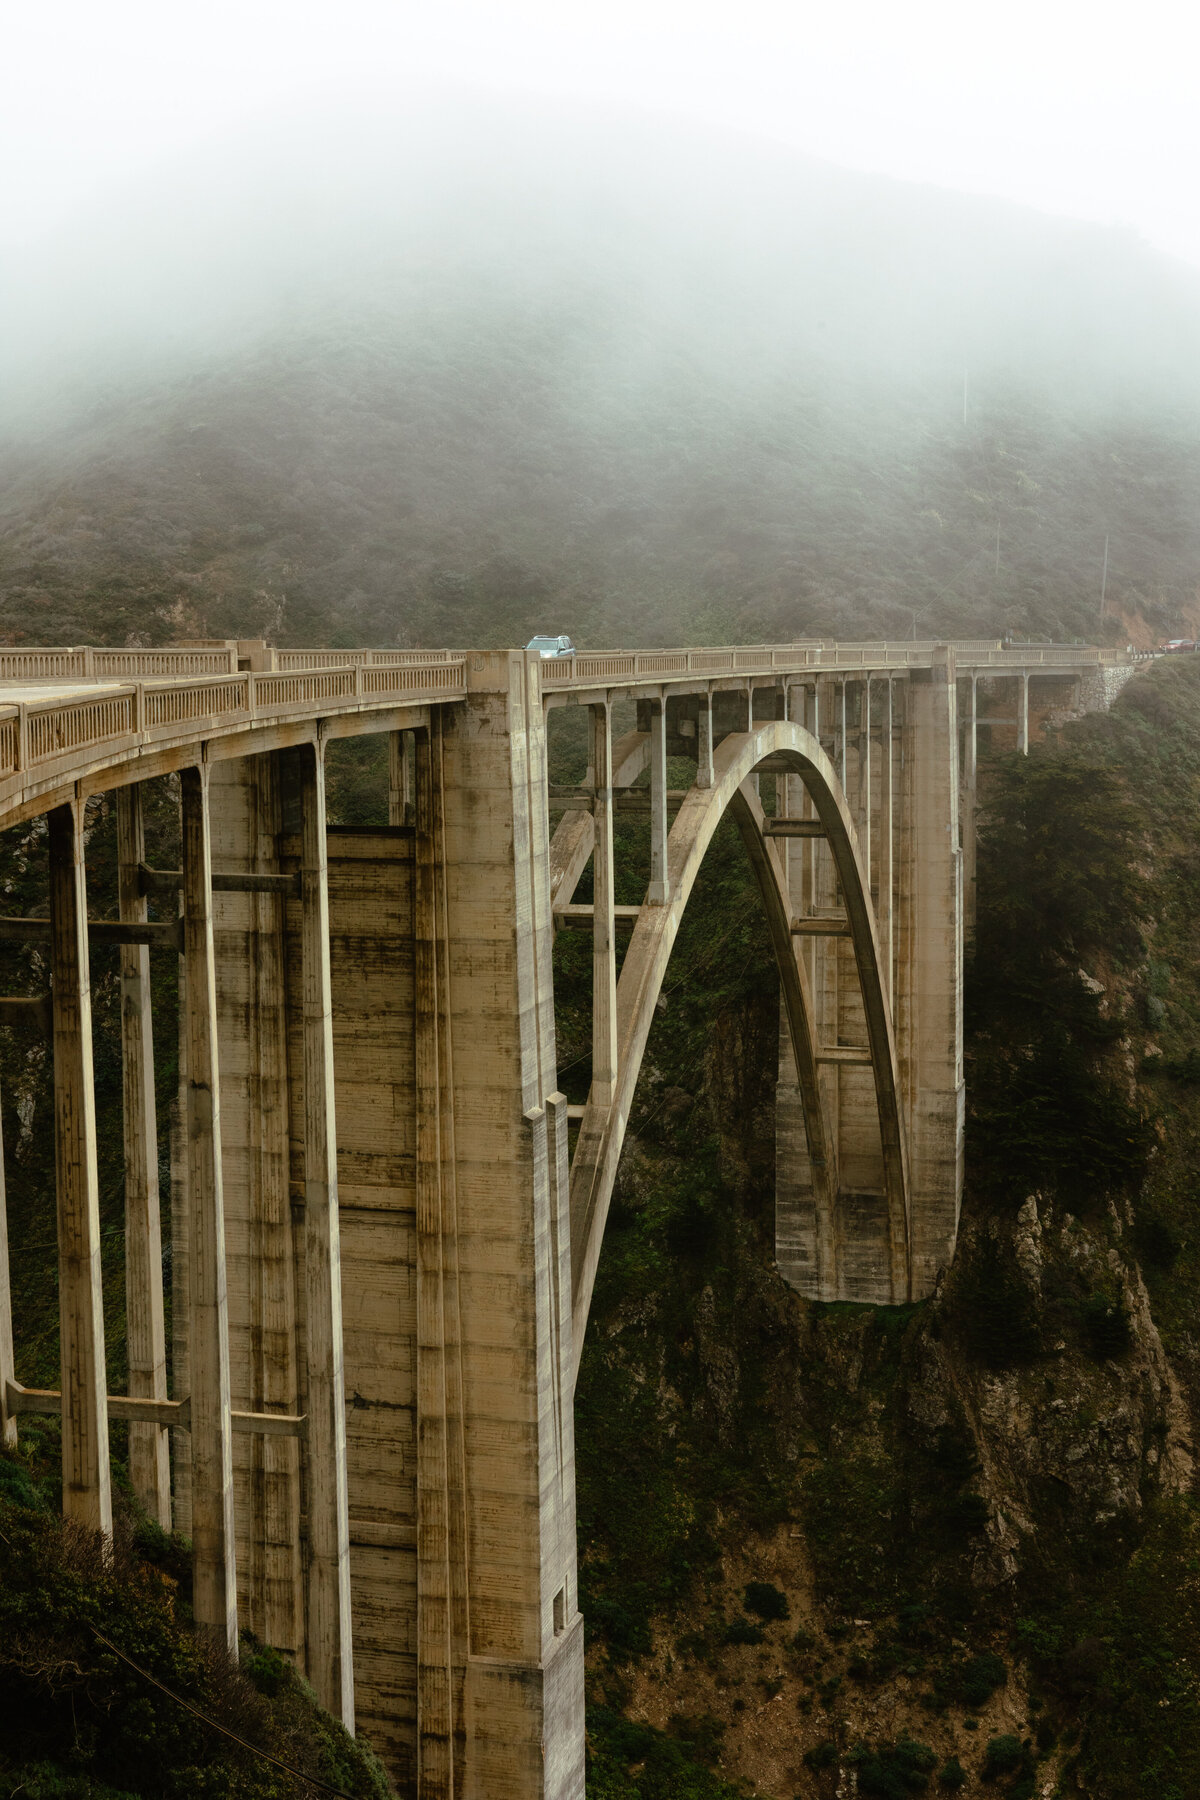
[{"x": 789, "y": 748}]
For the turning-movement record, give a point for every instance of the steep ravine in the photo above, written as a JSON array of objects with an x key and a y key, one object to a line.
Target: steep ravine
[{"x": 978, "y": 1512}]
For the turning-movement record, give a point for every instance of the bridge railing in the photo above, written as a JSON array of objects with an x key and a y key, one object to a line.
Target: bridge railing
[
  {"x": 621, "y": 666},
  {"x": 39, "y": 734},
  {"x": 86, "y": 663},
  {"x": 372, "y": 659},
  {"x": 31, "y": 663}
]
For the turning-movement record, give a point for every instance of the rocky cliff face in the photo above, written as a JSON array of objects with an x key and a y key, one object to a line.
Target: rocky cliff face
[{"x": 949, "y": 1547}]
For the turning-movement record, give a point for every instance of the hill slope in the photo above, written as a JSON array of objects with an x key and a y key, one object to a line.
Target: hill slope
[{"x": 472, "y": 376}]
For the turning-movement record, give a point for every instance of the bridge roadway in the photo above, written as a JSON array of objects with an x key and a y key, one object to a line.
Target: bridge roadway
[{"x": 386, "y": 1217}]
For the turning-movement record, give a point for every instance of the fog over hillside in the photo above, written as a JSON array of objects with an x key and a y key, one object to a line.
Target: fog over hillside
[{"x": 477, "y": 371}]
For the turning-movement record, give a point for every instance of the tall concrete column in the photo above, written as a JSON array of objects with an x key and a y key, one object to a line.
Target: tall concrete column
[
  {"x": 867, "y": 778},
  {"x": 149, "y": 1451},
  {"x": 264, "y": 1268},
  {"x": 704, "y": 742},
  {"x": 330, "y": 1658},
  {"x": 8, "y": 1372},
  {"x": 929, "y": 998},
  {"x": 885, "y": 872},
  {"x": 181, "y": 1265},
  {"x": 401, "y": 803},
  {"x": 657, "y": 892},
  {"x": 604, "y": 935},
  {"x": 214, "y": 1564},
  {"x": 522, "y": 1660},
  {"x": 1023, "y": 712},
  {"x": 442, "y": 1629},
  {"x": 383, "y": 1041},
  {"x": 802, "y": 1250},
  {"x": 970, "y": 785},
  {"x": 86, "y": 1490}
]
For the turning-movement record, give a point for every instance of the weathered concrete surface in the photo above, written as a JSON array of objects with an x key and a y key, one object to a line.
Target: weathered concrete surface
[
  {"x": 452, "y": 1178},
  {"x": 260, "y": 1252},
  {"x": 379, "y": 1304}
]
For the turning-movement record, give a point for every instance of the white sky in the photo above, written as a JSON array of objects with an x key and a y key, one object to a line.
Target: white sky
[{"x": 1082, "y": 107}]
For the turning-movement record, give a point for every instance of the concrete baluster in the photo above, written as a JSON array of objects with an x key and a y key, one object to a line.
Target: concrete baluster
[
  {"x": 604, "y": 936},
  {"x": 214, "y": 1573},
  {"x": 87, "y": 1495},
  {"x": 149, "y": 1457},
  {"x": 330, "y": 1659}
]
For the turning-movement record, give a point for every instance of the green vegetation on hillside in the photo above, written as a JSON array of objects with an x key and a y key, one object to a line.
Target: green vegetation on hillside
[
  {"x": 81, "y": 1724},
  {"x": 712, "y": 1403},
  {"x": 642, "y": 388}
]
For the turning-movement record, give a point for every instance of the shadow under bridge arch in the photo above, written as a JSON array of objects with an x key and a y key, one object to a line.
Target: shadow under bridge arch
[{"x": 602, "y": 1131}]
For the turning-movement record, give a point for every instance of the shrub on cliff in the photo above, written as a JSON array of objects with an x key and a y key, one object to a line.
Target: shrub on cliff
[
  {"x": 79, "y": 1720},
  {"x": 1061, "y": 892}
]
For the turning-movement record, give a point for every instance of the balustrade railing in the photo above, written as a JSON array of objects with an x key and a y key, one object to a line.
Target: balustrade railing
[
  {"x": 85, "y": 663},
  {"x": 618, "y": 667},
  {"x": 35, "y": 734}
]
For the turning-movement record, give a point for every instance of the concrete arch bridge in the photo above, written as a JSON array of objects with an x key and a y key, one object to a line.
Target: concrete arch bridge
[{"x": 385, "y": 1216}]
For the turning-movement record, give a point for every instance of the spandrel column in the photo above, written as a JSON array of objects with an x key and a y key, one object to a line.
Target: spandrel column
[
  {"x": 8, "y": 1372},
  {"x": 330, "y": 1656},
  {"x": 149, "y": 1460},
  {"x": 604, "y": 935},
  {"x": 214, "y": 1573},
  {"x": 658, "y": 891},
  {"x": 87, "y": 1495}
]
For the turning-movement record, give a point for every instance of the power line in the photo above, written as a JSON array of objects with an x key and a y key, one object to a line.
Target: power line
[{"x": 288, "y": 1769}]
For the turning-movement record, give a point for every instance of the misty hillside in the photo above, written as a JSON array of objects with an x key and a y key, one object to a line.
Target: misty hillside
[{"x": 478, "y": 374}]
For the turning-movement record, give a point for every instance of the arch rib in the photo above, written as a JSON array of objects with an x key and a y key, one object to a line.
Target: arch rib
[{"x": 602, "y": 1130}]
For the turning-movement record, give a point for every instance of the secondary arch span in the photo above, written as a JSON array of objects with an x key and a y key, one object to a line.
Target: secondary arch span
[{"x": 602, "y": 1131}]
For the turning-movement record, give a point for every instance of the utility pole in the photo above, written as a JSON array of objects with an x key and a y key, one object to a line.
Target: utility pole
[{"x": 1104, "y": 578}]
